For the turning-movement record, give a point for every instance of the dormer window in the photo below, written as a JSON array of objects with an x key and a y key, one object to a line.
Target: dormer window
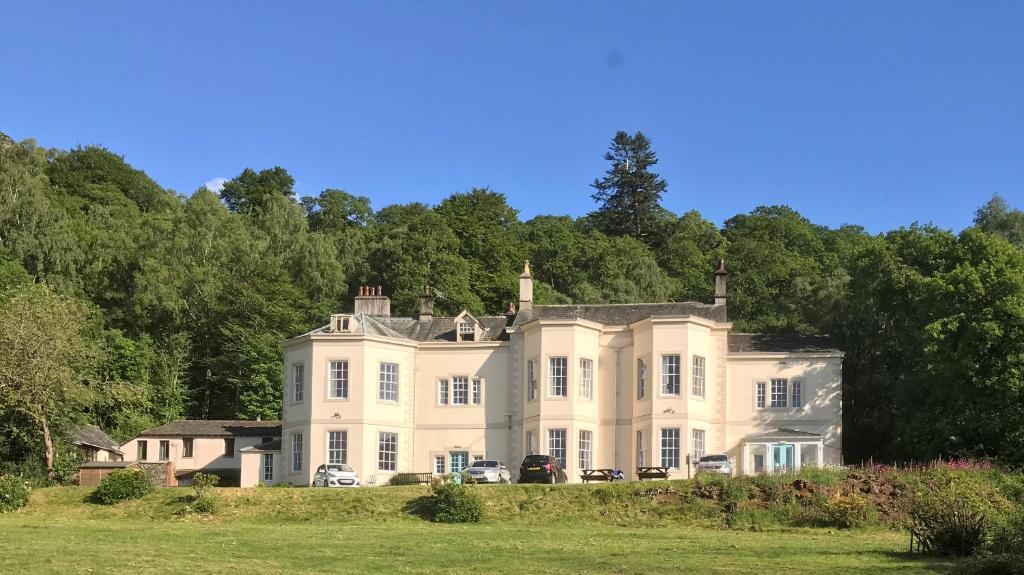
[
  {"x": 467, "y": 328},
  {"x": 342, "y": 323}
]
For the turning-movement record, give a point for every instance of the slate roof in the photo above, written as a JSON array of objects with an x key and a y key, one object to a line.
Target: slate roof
[
  {"x": 107, "y": 464},
  {"x": 215, "y": 428},
  {"x": 434, "y": 329},
  {"x": 621, "y": 314},
  {"x": 268, "y": 446},
  {"x": 779, "y": 343},
  {"x": 95, "y": 437}
]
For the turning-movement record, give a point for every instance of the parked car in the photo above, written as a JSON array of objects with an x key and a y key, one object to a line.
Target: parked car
[
  {"x": 541, "y": 469},
  {"x": 718, "y": 463},
  {"x": 489, "y": 471},
  {"x": 335, "y": 475}
]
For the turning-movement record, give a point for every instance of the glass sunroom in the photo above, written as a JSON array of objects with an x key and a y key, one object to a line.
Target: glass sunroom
[{"x": 781, "y": 450}]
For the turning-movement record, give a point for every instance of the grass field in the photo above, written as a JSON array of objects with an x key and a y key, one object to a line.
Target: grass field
[{"x": 530, "y": 529}]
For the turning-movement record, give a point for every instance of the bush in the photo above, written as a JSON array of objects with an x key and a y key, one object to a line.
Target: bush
[
  {"x": 843, "y": 511},
  {"x": 1008, "y": 534},
  {"x": 776, "y": 488},
  {"x": 454, "y": 503},
  {"x": 949, "y": 526},
  {"x": 202, "y": 482},
  {"x": 13, "y": 493},
  {"x": 122, "y": 485},
  {"x": 993, "y": 565},
  {"x": 204, "y": 504}
]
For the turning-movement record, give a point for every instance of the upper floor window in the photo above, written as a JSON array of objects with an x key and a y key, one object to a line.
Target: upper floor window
[
  {"x": 531, "y": 380},
  {"x": 467, "y": 330},
  {"x": 142, "y": 450},
  {"x": 780, "y": 391},
  {"x": 698, "y": 387},
  {"x": 557, "y": 376},
  {"x": 442, "y": 392},
  {"x": 186, "y": 447},
  {"x": 165, "y": 450},
  {"x": 460, "y": 390},
  {"x": 388, "y": 390},
  {"x": 586, "y": 378},
  {"x": 477, "y": 384},
  {"x": 298, "y": 382},
  {"x": 670, "y": 375},
  {"x": 337, "y": 384},
  {"x": 795, "y": 393},
  {"x": 761, "y": 395},
  {"x": 641, "y": 379}
]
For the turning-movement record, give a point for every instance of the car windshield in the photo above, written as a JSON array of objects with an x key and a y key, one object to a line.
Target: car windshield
[
  {"x": 485, "y": 463},
  {"x": 714, "y": 458},
  {"x": 536, "y": 459},
  {"x": 338, "y": 468}
]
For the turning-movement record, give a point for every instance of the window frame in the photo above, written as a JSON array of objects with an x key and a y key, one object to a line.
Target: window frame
[
  {"x": 387, "y": 460},
  {"x": 476, "y": 391},
  {"x": 531, "y": 442},
  {"x": 268, "y": 466},
  {"x": 531, "y": 380},
  {"x": 332, "y": 382},
  {"x": 298, "y": 382},
  {"x": 142, "y": 450},
  {"x": 796, "y": 394},
  {"x": 760, "y": 395},
  {"x": 585, "y": 449},
  {"x": 187, "y": 447},
  {"x": 440, "y": 464},
  {"x": 698, "y": 436},
  {"x": 553, "y": 376},
  {"x": 385, "y": 385},
  {"x": 641, "y": 461},
  {"x": 641, "y": 378},
  {"x": 698, "y": 374},
  {"x": 443, "y": 396},
  {"x": 331, "y": 448},
  {"x": 671, "y": 453},
  {"x": 553, "y": 432},
  {"x": 460, "y": 390},
  {"x": 586, "y": 378},
  {"x": 779, "y": 387},
  {"x": 671, "y": 387},
  {"x": 164, "y": 451},
  {"x": 296, "y": 452}
]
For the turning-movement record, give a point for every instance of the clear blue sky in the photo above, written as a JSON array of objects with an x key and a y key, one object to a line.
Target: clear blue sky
[{"x": 873, "y": 113}]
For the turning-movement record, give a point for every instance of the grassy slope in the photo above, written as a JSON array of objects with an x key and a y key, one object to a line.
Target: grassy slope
[{"x": 537, "y": 529}]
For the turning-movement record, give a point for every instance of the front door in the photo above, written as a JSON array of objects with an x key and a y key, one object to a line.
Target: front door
[
  {"x": 458, "y": 460},
  {"x": 783, "y": 456}
]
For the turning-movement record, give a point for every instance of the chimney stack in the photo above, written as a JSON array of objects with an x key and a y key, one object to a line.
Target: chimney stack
[
  {"x": 372, "y": 301},
  {"x": 721, "y": 276},
  {"x": 426, "y": 304},
  {"x": 525, "y": 288}
]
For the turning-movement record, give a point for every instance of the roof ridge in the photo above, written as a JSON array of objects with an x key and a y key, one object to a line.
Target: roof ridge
[{"x": 625, "y": 304}]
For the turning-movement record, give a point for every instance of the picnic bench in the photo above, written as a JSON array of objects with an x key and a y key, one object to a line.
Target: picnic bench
[
  {"x": 651, "y": 473},
  {"x": 597, "y": 475},
  {"x": 411, "y": 478}
]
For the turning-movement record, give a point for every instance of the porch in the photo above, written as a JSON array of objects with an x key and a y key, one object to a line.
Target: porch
[{"x": 782, "y": 450}]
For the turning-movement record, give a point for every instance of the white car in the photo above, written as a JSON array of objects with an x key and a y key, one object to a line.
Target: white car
[
  {"x": 335, "y": 475},
  {"x": 715, "y": 464},
  {"x": 488, "y": 471}
]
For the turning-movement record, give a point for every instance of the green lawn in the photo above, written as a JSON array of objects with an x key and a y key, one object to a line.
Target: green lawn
[{"x": 529, "y": 529}]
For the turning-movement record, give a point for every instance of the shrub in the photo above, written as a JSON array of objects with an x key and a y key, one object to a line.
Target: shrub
[
  {"x": 202, "y": 482},
  {"x": 949, "y": 526},
  {"x": 65, "y": 467},
  {"x": 204, "y": 504},
  {"x": 454, "y": 503},
  {"x": 1008, "y": 534},
  {"x": 122, "y": 485},
  {"x": 843, "y": 511},
  {"x": 709, "y": 485},
  {"x": 776, "y": 488},
  {"x": 993, "y": 565},
  {"x": 13, "y": 493}
]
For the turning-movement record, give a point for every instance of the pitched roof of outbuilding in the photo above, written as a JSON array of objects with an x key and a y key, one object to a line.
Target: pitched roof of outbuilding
[
  {"x": 268, "y": 446},
  {"x": 779, "y": 343},
  {"x": 215, "y": 428},
  {"x": 93, "y": 436}
]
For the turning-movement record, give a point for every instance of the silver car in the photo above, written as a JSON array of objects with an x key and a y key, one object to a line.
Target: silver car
[
  {"x": 718, "y": 463},
  {"x": 488, "y": 471},
  {"x": 335, "y": 475}
]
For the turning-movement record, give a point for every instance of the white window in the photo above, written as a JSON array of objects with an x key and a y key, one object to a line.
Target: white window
[
  {"x": 337, "y": 447},
  {"x": 387, "y": 451},
  {"x": 476, "y": 391},
  {"x": 698, "y": 388},
  {"x": 296, "y": 452},
  {"x": 780, "y": 389},
  {"x": 698, "y": 444},
  {"x": 586, "y": 449},
  {"x": 795, "y": 393},
  {"x": 460, "y": 390},
  {"x": 165, "y": 450},
  {"x": 298, "y": 382},
  {"x": 640, "y": 459},
  {"x": 641, "y": 379},
  {"x": 556, "y": 445},
  {"x": 670, "y": 447},
  {"x": 531, "y": 443},
  {"x": 337, "y": 380},
  {"x": 557, "y": 377},
  {"x": 531, "y": 380},
  {"x": 442, "y": 392},
  {"x": 467, "y": 331},
  {"x": 477, "y": 457},
  {"x": 268, "y": 467},
  {"x": 760, "y": 395},
  {"x": 439, "y": 464},
  {"x": 586, "y": 378},
  {"x": 670, "y": 375},
  {"x": 388, "y": 382}
]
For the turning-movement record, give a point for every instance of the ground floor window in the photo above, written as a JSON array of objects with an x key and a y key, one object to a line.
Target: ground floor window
[
  {"x": 439, "y": 464},
  {"x": 670, "y": 447},
  {"x": 268, "y": 467},
  {"x": 556, "y": 445},
  {"x": 296, "y": 452},
  {"x": 640, "y": 460},
  {"x": 387, "y": 451},
  {"x": 586, "y": 449},
  {"x": 697, "y": 444},
  {"x": 337, "y": 447},
  {"x": 531, "y": 443}
]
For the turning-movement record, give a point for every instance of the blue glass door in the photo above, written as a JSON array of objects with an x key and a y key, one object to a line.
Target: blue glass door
[
  {"x": 783, "y": 456},
  {"x": 458, "y": 460}
]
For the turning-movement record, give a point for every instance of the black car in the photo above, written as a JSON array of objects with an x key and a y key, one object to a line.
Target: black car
[{"x": 541, "y": 469}]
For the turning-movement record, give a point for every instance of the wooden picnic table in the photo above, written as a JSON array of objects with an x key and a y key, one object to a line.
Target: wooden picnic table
[
  {"x": 651, "y": 473},
  {"x": 597, "y": 475}
]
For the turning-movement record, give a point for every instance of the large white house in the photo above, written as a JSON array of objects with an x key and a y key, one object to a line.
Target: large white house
[{"x": 596, "y": 386}]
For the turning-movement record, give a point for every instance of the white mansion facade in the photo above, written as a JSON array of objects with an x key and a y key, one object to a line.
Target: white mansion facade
[{"x": 596, "y": 386}]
